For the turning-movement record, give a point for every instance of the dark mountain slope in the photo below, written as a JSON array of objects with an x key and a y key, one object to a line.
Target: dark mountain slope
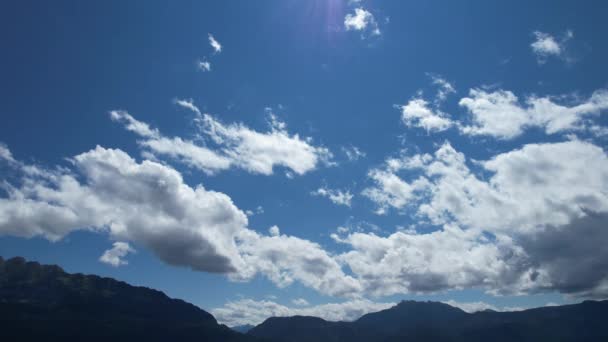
[
  {"x": 431, "y": 321},
  {"x": 41, "y": 302}
]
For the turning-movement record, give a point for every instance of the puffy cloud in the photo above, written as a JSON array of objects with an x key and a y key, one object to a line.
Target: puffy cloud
[
  {"x": 390, "y": 191},
  {"x": 217, "y": 47},
  {"x": 420, "y": 113},
  {"x": 450, "y": 258},
  {"x": 501, "y": 234},
  {"x": 361, "y": 20},
  {"x": 521, "y": 222},
  {"x": 149, "y": 204},
  {"x": 146, "y": 202},
  {"x": 338, "y": 197},
  {"x": 249, "y": 311},
  {"x": 274, "y": 231},
  {"x": 417, "y": 113},
  {"x": 285, "y": 259},
  {"x": 259, "y": 152},
  {"x": 499, "y": 113},
  {"x": 115, "y": 255},
  {"x": 236, "y": 145},
  {"x": 545, "y": 45}
]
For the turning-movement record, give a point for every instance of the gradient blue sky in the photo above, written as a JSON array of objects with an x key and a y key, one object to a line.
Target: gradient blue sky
[{"x": 65, "y": 65}]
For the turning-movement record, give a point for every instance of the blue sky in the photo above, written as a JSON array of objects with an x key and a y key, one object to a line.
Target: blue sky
[{"x": 426, "y": 150}]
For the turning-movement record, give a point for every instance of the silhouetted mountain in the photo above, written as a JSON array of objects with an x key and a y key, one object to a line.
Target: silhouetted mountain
[
  {"x": 432, "y": 321},
  {"x": 42, "y": 303},
  {"x": 243, "y": 329}
]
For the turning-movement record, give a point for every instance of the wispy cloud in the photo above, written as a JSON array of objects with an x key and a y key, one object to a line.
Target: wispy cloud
[{"x": 217, "y": 47}]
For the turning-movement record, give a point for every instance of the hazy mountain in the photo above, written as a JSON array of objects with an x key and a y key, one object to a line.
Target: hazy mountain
[
  {"x": 41, "y": 302},
  {"x": 432, "y": 321}
]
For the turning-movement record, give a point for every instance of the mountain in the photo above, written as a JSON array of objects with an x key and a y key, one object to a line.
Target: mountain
[
  {"x": 432, "y": 321},
  {"x": 243, "y": 329},
  {"x": 42, "y": 302}
]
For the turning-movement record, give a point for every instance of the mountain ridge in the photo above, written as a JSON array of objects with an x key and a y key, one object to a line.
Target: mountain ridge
[{"x": 43, "y": 301}]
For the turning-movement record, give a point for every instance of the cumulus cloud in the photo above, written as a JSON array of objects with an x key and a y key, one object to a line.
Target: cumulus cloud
[
  {"x": 389, "y": 190},
  {"x": 338, "y": 197},
  {"x": 546, "y": 45},
  {"x": 217, "y": 47},
  {"x": 285, "y": 259},
  {"x": 497, "y": 232},
  {"x": 115, "y": 255},
  {"x": 274, "y": 231},
  {"x": 203, "y": 65},
  {"x": 259, "y": 152},
  {"x": 505, "y": 226},
  {"x": 249, "y": 311},
  {"x": 235, "y": 145},
  {"x": 149, "y": 204},
  {"x": 500, "y": 114},
  {"x": 417, "y": 113},
  {"x": 361, "y": 20}
]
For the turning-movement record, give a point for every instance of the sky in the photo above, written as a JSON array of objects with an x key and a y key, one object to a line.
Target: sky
[{"x": 322, "y": 157}]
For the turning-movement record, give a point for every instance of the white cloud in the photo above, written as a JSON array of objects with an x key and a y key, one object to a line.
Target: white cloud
[
  {"x": 249, "y": 311},
  {"x": 186, "y": 151},
  {"x": 115, "y": 255},
  {"x": 217, "y": 47},
  {"x": 6, "y": 154},
  {"x": 188, "y": 104},
  {"x": 416, "y": 113},
  {"x": 338, "y": 197},
  {"x": 285, "y": 259},
  {"x": 471, "y": 307},
  {"x": 497, "y": 233},
  {"x": 259, "y": 210},
  {"x": 237, "y": 145},
  {"x": 499, "y": 113},
  {"x": 149, "y": 204},
  {"x": 300, "y": 302},
  {"x": 259, "y": 152},
  {"x": 353, "y": 153},
  {"x": 390, "y": 191},
  {"x": 545, "y": 45},
  {"x": 203, "y": 65},
  {"x": 274, "y": 231},
  {"x": 521, "y": 222},
  {"x": 361, "y": 20},
  {"x": 445, "y": 88}
]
